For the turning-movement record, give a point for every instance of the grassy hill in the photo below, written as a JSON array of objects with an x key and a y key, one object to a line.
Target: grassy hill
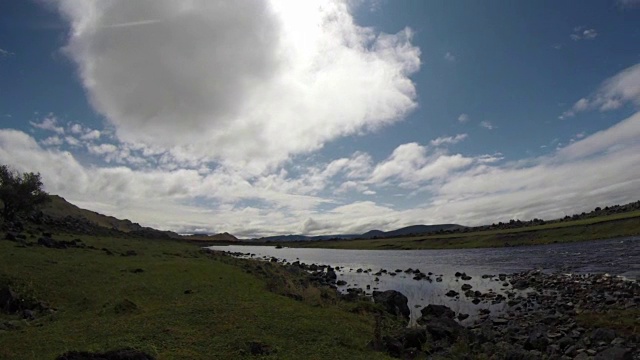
[
  {"x": 600, "y": 227},
  {"x": 59, "y": 208}
]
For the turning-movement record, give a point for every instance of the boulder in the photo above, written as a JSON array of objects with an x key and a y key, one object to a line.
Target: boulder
[
  {"x": 9, "y": 300},
  {"x": 436, "y": 311},
  {"x": 444, "y": 328},
  {"x": 603, "y": 334},
  {"x": 394, "y": 302},
  {"x": 614, "y": 353}
]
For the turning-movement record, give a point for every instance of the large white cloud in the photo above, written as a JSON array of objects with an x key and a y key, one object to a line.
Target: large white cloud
[{"x": 247, "y": 83}]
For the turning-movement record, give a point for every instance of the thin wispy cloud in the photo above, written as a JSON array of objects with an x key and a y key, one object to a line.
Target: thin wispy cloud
[
  {"x": 487, "y": 125},
  {"x": 449, "y": 57},
  {"x": 580, "y": 33}
]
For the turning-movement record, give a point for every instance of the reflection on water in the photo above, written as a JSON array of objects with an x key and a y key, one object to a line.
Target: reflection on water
[{"x": 616, "y": 257}]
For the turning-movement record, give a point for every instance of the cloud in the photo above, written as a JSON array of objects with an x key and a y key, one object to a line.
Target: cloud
[
  {"x": 614, "y": 92},
  {"x": 411, "y": 165},
  {"x": 589, "y": 34},
  {"x": 247, "y": 84},
  {"x": 91, "y": 135},
  {"x": 580, "y": 34},
  {"x": 448, "y": 140},
  {"x": 598, "y": 169},
  {"x": 487, "y": 125},
  {"x": 49, "y": 123},
  {"x": 449, "y": 57},
  {"x": 463, "y": 118},
  {"x": 5, "y": 53},
  {"x": 628, "y": 3}
]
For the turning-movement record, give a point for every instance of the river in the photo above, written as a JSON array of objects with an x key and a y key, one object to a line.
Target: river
[{"x": 619, "y": 257}]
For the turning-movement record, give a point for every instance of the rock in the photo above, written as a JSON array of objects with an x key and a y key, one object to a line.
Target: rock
[
  {"x": 394, "y": 302},
  {"x": 188, "y": 292},
  {"x": 582, "y": 356},
  {"x": 465, "y": 277},
  {"x": 500, "y": 321},
  {"x": 341, "y": 283},
  {"x": 393, "y": 346},
  {"x": 451, "y": 293},
  {"x": 603, "y": 334},
  {"x": 462, "y": 316},
  {"x": 28, "y": 314},
  {"x": 536, "y": 341},
  {"x": 414, "y": 338},
  {"x": 466, "y": 287},
  {"x": 258, "y": 348},
  {"x": 521, "y": 284},
  {"x": 331, "y": 275},
  {"x": 436, "y": 311},
  {"x": 614, "y": 353},
  {"x": 125, "y": 306},
  {"x": 444, "y": 328},
  {"x": 9, "y": 300},
  {"x": 122, "y": 354},
  {"x": 11, "y": 236}
]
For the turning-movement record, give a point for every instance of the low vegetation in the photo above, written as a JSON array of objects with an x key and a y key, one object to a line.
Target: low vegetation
[{"x": 169, "y": 300}]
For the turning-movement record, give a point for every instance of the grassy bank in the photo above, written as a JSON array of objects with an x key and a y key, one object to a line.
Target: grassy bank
[
  {"x": 603, "y": 227},
  {"x": 169, "y": 300}
]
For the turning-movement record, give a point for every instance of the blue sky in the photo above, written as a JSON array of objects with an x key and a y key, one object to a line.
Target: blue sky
[{"x": 277, "y": 117}]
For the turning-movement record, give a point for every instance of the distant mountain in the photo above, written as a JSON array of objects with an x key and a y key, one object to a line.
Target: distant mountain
[
  {"x": 405, "y": 231},
  {"x": 412, "y": 230},
  {"x": 217, "y": 237}
]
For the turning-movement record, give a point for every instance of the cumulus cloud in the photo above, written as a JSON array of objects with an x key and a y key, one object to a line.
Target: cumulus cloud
[
  {"x": 411, "y": 164},
  {"x": 596, "y": 169},
  {"x": 245, "y": 83},
  {"x": 616, "y": 91},
  {"x": 49, "y": 123}
]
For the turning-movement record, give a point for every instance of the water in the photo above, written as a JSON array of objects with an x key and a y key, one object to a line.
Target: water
[{"x": 616, "y": 257}]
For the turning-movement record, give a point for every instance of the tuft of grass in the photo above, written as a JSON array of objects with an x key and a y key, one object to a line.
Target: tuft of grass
[{"x": 623, "y": 321}]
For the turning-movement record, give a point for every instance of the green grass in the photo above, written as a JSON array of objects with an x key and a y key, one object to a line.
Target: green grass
[
  {"x": 625, "y": 322},
  {"x": 228, "y": 306},
  {"x": 602, "y": 227}
]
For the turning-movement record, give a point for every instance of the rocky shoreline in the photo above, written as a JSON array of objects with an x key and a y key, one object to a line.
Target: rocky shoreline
[{"x": 540, "y": 317}]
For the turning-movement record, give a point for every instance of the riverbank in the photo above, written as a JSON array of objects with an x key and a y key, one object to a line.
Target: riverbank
[
  {"x": 543, "y": 315},
  {"x": 603, "y": 227},
  {"x": 167, "y": 299}
]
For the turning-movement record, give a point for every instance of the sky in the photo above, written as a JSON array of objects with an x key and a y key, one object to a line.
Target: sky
[{"x": 261, "y": 118}]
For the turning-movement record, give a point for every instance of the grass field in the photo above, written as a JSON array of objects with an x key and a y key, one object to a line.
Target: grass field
[
  {"x": 602, "y": 227},
  {"x": 104, "y": 303}
]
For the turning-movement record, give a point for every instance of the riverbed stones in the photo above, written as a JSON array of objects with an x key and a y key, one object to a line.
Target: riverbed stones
[{"x": 451, "y": 293}]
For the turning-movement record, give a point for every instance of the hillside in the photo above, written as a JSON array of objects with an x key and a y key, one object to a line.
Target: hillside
[{"x": 60, "y": 213}]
